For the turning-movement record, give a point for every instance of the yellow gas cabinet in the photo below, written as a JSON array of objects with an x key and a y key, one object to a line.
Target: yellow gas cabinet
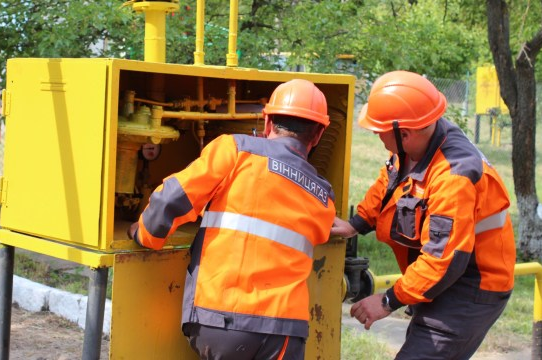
[{"x": 87, "y": 140}]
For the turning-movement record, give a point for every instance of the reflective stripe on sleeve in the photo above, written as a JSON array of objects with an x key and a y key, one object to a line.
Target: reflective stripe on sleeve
[
  {"x": 258, "y": 227},
  {"x": 491, "y": 222}
]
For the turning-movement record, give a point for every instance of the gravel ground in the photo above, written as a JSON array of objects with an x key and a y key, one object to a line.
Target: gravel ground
[{"x": 45, "y": 336}]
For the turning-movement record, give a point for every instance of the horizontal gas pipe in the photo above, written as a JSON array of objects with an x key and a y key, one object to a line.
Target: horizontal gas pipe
[{"x": 189, "y": 115}]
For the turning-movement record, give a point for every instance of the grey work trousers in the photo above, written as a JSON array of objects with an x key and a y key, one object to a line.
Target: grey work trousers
[
  {"x": 212, "y": 343},
  {"x": 452, "y": 327}
]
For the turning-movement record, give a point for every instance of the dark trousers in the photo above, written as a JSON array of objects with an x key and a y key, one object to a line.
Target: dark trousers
[
  {"x": 212, "y": 343},
  {"x": 452, "y": 327}
]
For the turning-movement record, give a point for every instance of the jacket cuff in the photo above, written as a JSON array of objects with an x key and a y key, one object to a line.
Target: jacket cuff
[
  {"x": 361, "y": 226},
  {"x": 394, "y": 302}
]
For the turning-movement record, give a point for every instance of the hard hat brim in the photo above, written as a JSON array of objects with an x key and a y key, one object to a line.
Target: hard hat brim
[{"x": 365, "y": 121}]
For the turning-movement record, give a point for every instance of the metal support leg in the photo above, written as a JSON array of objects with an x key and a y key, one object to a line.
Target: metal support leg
[
  {"x": 7, "y": 255},
  {"x": 95, "y": 314}
]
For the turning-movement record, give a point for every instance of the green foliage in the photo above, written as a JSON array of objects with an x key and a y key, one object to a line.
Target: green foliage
[
  {"x": 502, "y": 120},
  {"x": 429, "y": 37},
  {"x": 455, "y": 114},
  {"x": 61, "y": 28}
]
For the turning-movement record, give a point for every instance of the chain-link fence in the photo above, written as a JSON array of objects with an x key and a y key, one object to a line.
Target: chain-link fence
[{"x": 488, "y": 129}]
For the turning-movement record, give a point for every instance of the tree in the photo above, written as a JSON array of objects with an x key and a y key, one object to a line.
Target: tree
[
  {"x": 61, "y": 28},
  {"x": 518, "y": 89},
  {"x": 383, "y": 35},
  {"x": 428, "y": 37}
]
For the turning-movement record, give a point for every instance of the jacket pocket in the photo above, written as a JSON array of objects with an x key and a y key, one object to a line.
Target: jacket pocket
[
  {"x": 409, "y": 217},
  {"x": 440, "y": 228}
]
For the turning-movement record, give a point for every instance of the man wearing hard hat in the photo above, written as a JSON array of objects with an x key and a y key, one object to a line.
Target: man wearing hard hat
[
  {"x": 442, "y": 208},
  {"x": 265, "y": 209}
]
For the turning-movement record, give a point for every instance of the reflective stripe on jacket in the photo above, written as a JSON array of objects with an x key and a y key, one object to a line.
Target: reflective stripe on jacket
[
  {"x": 265, "y": 210},
  {"x": 446, "y": 222}
]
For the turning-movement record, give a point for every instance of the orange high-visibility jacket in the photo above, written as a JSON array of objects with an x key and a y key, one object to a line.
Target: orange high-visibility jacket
[
  {"x": 265, "y": 210},
  {"x": 446, "y": 221}
]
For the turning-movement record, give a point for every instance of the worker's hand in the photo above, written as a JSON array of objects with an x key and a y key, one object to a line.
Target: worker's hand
[
  {"x": 342, "y": 228},
  {"x": 369, "y": 310},
  {"x": 132, "y": 229}
]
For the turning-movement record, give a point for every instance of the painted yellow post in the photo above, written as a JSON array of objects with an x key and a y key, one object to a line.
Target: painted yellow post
[
  {"x": 325, "y": 308},
  {"x": 493, "y": 129},
  {"x": 533, "y": 268}
]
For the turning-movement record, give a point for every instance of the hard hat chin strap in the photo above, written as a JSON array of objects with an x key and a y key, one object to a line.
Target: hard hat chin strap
[
  {"x": 402, "y": 155},
  {"x": 400, "y": 151}
]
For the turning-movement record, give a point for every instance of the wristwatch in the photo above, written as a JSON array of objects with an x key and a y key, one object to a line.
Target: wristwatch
[{"x": 386, "y": 303}]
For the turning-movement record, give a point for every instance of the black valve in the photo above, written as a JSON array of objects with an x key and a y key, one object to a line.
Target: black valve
[{"x": 359, "y": 279}]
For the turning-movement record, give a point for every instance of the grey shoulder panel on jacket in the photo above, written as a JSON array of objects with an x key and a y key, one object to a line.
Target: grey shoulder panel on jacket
[{"x": 464, "y": 157}]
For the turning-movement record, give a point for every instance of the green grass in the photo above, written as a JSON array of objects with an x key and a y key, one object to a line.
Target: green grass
[
  {"x": 42, "y": 272},
  {"x": 513, "y": 329},
  {"x": 357, "y": 344}
]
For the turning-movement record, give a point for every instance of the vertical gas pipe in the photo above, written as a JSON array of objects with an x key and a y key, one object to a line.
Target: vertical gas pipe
[
  {"x": 231, "y": 58},
  {"x": 155, "y": 27},
  {"x": 200, "y": 23}
]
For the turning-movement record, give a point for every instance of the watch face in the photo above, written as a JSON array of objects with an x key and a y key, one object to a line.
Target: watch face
[
  {"x": 150, "y": 151},
  {"x": 386, "y": 303}
]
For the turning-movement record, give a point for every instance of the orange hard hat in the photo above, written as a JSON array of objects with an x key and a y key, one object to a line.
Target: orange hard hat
[
  {"x": 299, "y": 98},
  {"x": 402, "y": 96}
]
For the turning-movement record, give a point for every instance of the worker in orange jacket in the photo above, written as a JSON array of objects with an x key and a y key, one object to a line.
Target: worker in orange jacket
[
  {"x": 265, "y": 209},
  {"x": 442, "y": 208}
]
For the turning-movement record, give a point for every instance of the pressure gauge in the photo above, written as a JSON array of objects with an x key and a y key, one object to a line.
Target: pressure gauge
[{"x": 150, "y": 151}]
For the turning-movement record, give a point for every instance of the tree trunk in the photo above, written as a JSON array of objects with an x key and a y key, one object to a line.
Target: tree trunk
[{"x": 518, "y": 90}]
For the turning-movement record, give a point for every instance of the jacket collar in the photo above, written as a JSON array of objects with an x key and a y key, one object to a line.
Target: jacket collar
[
  {"x": 293, "y": 145},
  {"x": 436, "y": 141}
]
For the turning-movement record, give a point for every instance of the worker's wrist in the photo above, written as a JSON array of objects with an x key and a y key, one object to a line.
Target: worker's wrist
[
  {"x": 359, "y": 223},
  {"x": 392, "y": 300}
]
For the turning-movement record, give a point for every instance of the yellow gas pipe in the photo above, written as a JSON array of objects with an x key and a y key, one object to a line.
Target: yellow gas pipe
[
  {"x": 201, "y": 125},
  {"x": 231, "y": 97},
  {"x": 155, "y": 27},
  {"x": 231, "y": 58},
  {"x": 199, "y": 54},
  {"x": 533, "y": 268},
  {"x": 190, "y": 115},
  {"x": 133, "y": 132}
]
